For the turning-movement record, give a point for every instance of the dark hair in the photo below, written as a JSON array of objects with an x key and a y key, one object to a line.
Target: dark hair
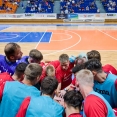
[
  {"x": 63, "y": 58},
  {"x": 36, "y": 54},
  {"x": 20, "y": 68},
  {"x": 33, "y": 70},
  {"x": 94, "y": 65},
  {"x": 49, "y": 85},
  {"x": 10, "y": 49},
  {"x": 77, "y": 68},
  {"x": 93, "y": 54},
  {"x": 73, "y": 99}
]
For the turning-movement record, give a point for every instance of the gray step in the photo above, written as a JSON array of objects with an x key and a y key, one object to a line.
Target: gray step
[
  {"x": 19, "y": 9},
  {"x": 100, "y": 6},
  {"x": 56, "y": 7}
]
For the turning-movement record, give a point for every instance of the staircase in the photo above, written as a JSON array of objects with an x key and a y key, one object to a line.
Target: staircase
[
  {"x": 19, "y": 9},
  {"x": 100, "y": 6},
  {"x": 56, "y": 7}
]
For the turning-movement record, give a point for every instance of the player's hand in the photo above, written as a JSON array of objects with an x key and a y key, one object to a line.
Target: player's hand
[
  {"x": 59, "y": 100},
  {"x": 62, "y": 93}
]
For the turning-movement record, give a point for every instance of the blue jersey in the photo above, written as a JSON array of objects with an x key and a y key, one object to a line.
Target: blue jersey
[
  {"x": 110, "y": 112},
  {"x": 108, "y": 89},
  {"x": 6, "y": 66},
  {"x": 24, "y": 59},
  {"x": 13, "y": 95},
  {"x": 44, "y": 106}
]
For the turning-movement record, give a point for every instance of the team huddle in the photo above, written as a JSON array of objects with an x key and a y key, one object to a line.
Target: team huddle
[{"x": 68, "y": 87}]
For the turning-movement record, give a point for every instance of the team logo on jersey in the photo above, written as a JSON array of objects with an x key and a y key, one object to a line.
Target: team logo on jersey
[{"x": 102, "y": 91}]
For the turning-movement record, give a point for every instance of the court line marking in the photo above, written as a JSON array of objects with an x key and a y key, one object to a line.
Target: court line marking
[
  {"x": 50, "y": 38},
  {"x": 67, "y": 47},
  {"x": 79, "y": 50},
  {"x": 24, "y": 37},
  {"x": 63, "y": 39},
  {"x": 6, "y": 28},
  {"x": 40, "y": 39},
  {"x": 107, "y": 34},
  {"x": 10, "y": 38}
]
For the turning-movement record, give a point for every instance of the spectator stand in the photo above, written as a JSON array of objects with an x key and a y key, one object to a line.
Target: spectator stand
[
  {"x": 9, "y": 6},
  {"x": 110, "y": 6},
  {"x": 78, "y": 6},
  {"x": 39, "y": 6}
]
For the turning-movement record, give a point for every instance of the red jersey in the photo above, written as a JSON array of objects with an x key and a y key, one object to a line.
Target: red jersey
[
  {"x": 54, "y": 63},
  {"x": 42, "y": 64},
  {"x": 115, "y": 111},
  {"x": 5, "y": 77},
  {"x": 109, "y": 69},
  {"x": 23, "y": 108},
  {"x": 74, "y": 81},
  {"x": 75, "y": 115},
  {"x": 95, "y": 108},
  {"x": 64, "y": 76}
]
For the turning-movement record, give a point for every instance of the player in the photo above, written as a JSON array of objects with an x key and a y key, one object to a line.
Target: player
[
  {"x": 107, "y": 68},
  {"x": 50, "y": 71},
  {"x": 72, "y": 103},
  {"x": 95, "y": 105},
  {"x": 80, "y": 59},
  {"x": 105, "y": 84},
  {"x": 35, "y": 56},
  {"x": 8, "y": 62},
  {"x": 17, "y": 76},
  {"x": 63, "y": 71},
  {"x": 43, "y": 106},
  {"x": 76, "y": 69},
  {"x": 13, "y": 93}
]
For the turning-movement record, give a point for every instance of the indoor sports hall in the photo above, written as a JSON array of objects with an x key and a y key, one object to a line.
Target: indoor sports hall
[{"x": 55, "y": 39}]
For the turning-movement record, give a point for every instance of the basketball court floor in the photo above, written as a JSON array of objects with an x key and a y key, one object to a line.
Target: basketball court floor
[{"x": 54, "y": 39}]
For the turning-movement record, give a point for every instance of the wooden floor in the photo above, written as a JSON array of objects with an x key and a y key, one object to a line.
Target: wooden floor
[{"x": 72, "y": 40}]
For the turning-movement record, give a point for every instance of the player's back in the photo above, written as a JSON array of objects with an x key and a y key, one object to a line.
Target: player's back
[
  {"x": 13, "y": 95},
  {"x": 108, "y": 89},
  {"x": 109, "y": 69},
  {"x": 95, "y": 105},
  {"x": 44, "y": 106},
  {"x": 5, "y": 77}
]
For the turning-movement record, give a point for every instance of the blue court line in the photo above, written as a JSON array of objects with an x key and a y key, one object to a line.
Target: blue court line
[{"x": 24, "y": 36}]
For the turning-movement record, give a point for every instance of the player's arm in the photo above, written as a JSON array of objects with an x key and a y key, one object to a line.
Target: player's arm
[
  {"x": 58, "y": 89},
  {"x": 59, "y": 79},
  {"x": 95, "y": 107},
  {"x": 1, "y": 90},
  {"x": 55, "y": 63},
  {"x": 23, "y": 107}
]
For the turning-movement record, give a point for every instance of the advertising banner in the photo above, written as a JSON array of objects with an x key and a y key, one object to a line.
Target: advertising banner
[
  {"x": 62, "y": 16},
  {"x": 84, "y": 20},
  {"x": 73, "y": 16},
  {"x": 86, "y": 16},
  {"x": 111, "y": 16}
]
